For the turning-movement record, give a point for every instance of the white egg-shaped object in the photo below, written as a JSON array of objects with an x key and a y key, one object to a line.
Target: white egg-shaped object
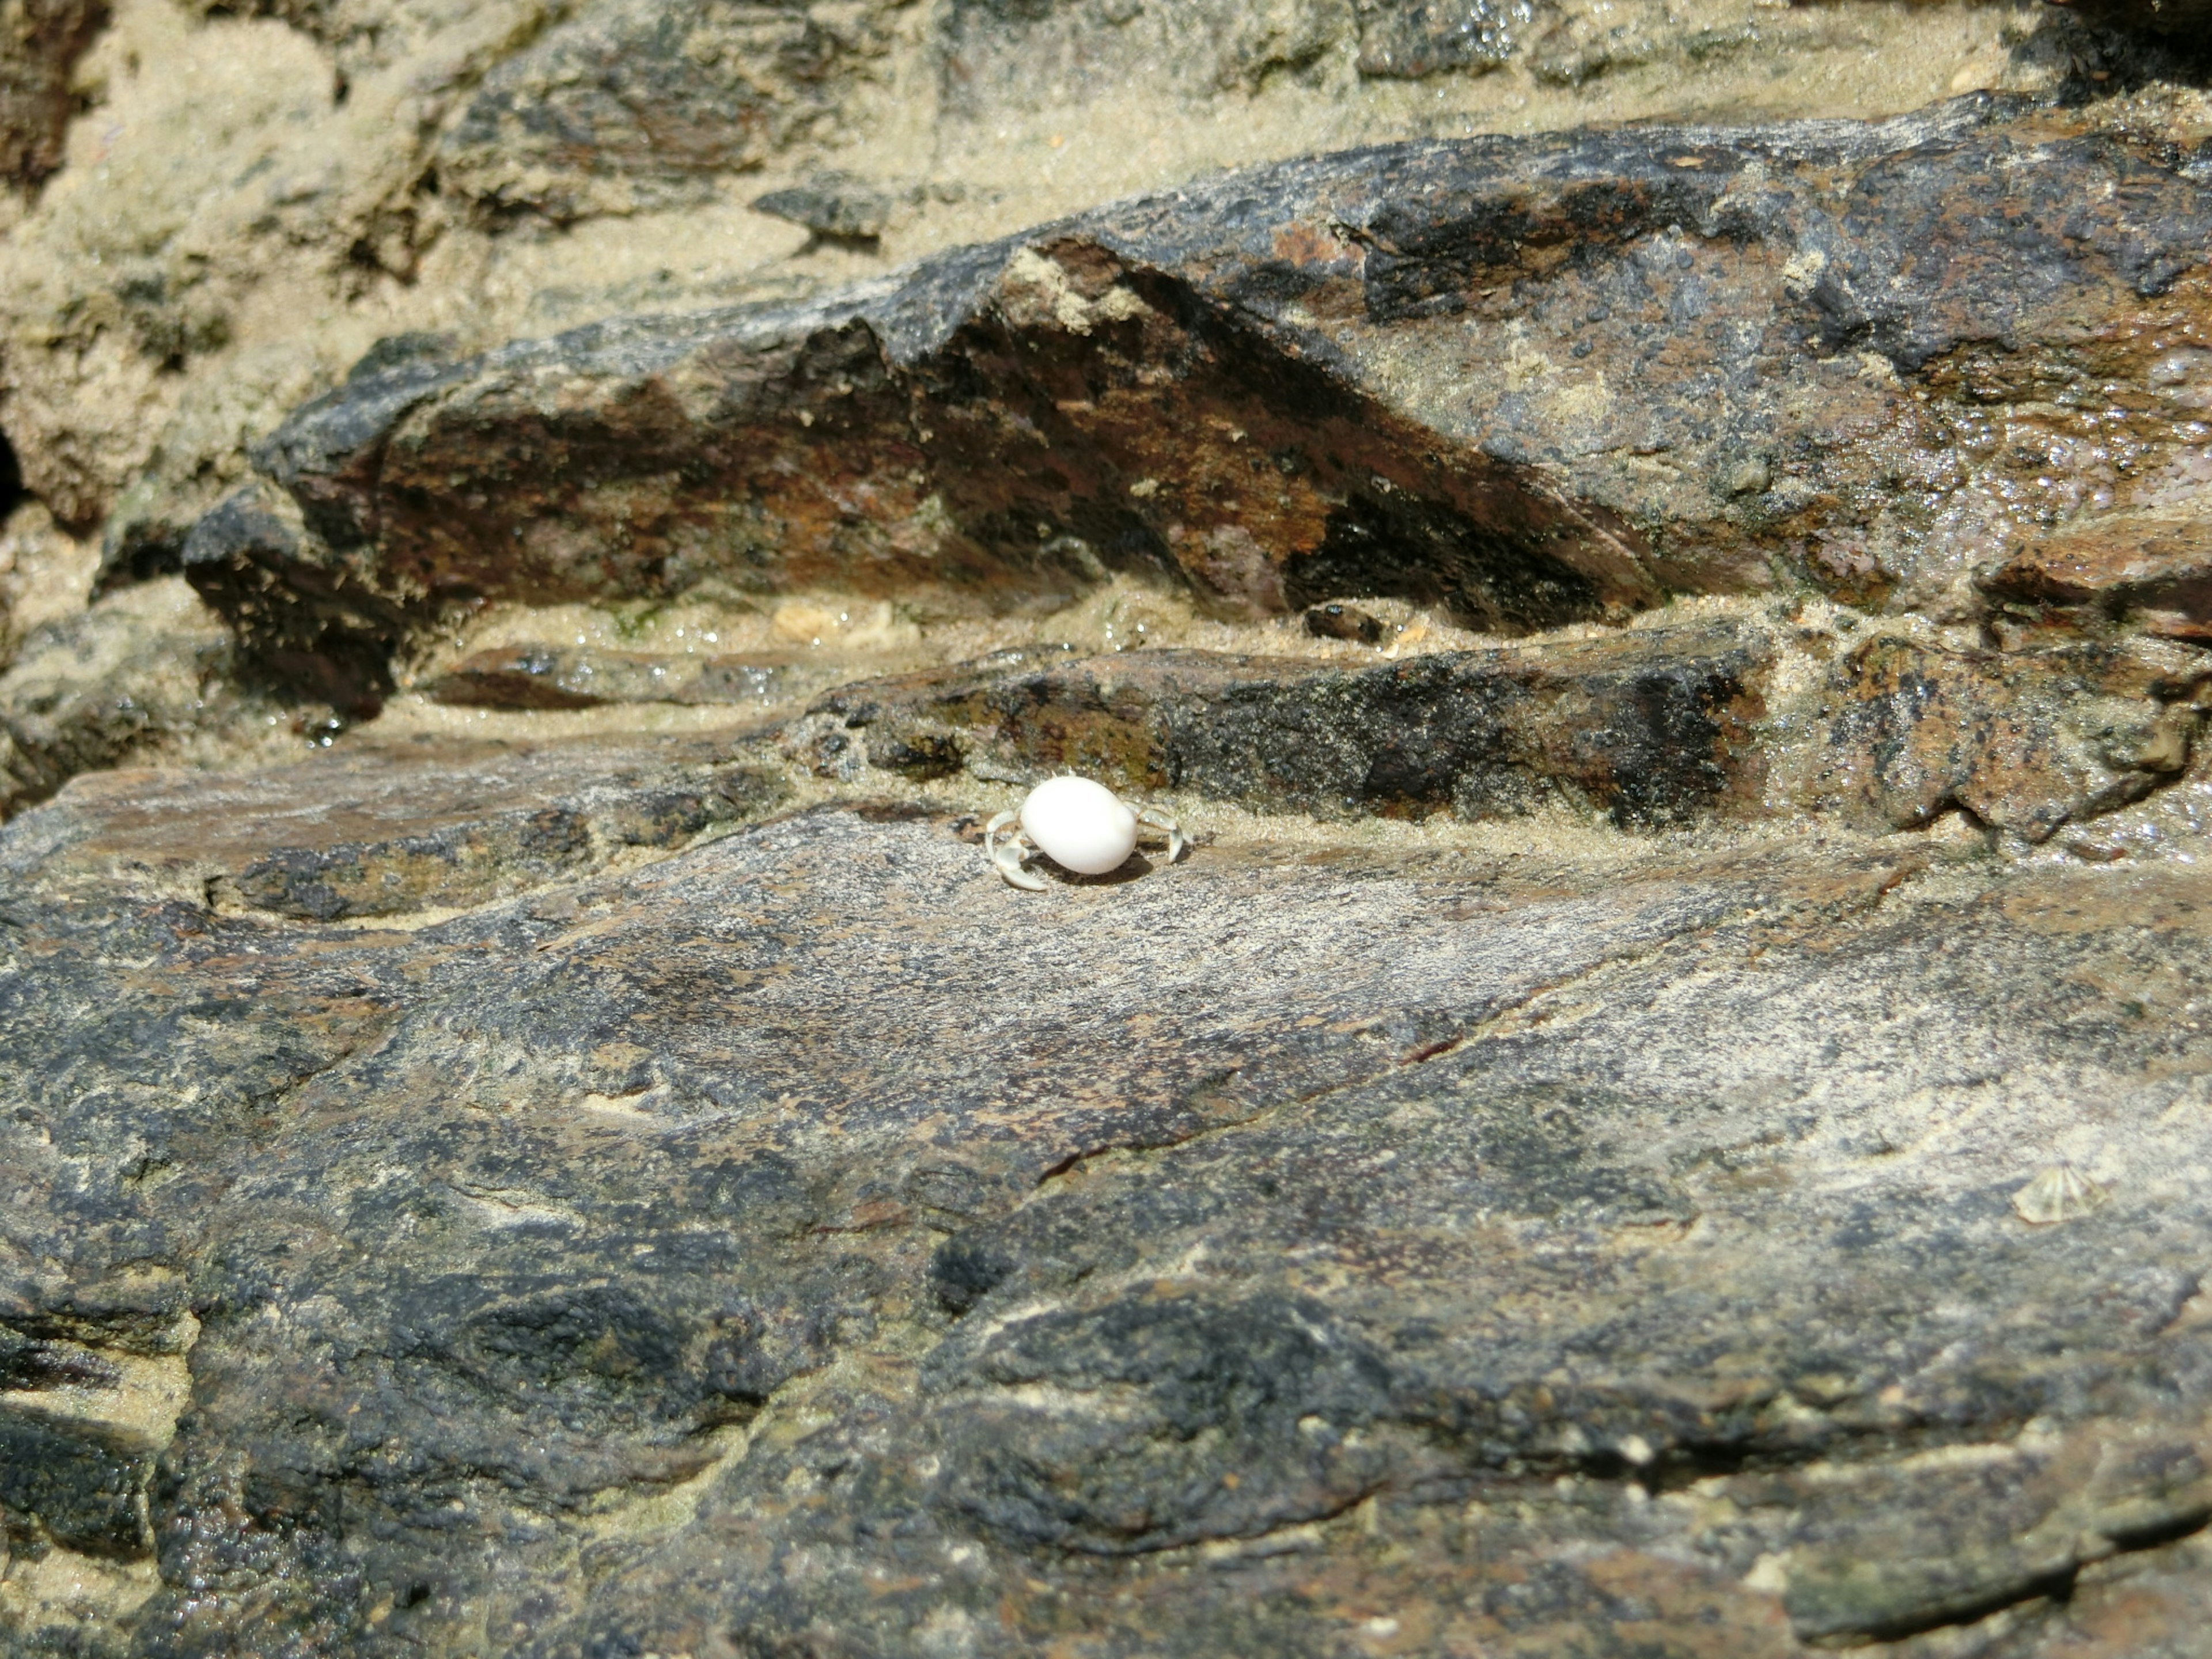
[{"x": 1081, "y": 825}]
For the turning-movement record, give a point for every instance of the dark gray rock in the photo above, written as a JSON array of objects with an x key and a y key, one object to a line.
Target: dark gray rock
[
  {"x": 805, "y": 1243},
  {"x": 832, "y": 205}
]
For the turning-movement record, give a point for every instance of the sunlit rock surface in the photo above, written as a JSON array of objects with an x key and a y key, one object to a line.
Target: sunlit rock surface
[{"x": 1660, "y": 554}]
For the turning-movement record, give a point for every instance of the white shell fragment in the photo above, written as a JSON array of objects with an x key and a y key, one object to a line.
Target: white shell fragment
[
  {"x": 1080, "y": 825},
  {"x": 2060, "y": 1193}
]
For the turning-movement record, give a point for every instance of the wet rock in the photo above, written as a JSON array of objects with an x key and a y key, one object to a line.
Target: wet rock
[
  {"x": 1435, "y": 372},
  {"x": 137, "y": 669},
  {"x": 575, "y": 677},
  {"x": 2156, "y": 575},
  {"x": 1618, "y": 1249},
  {"x": 1649, "y": 727},
  {"x": 40, "y": 42}
]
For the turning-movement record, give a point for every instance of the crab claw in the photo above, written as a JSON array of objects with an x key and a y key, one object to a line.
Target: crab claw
[
  {"x": 1006, "y": 856},
  {"x": 1152, "y": 818}
]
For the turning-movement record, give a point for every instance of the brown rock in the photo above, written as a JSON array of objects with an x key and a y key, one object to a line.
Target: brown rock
[
  {"x": 1651, "y": 727},
  {"x": 2155, "y": 573},
  {"x": 1435, "y": 372},
  {"x": 1344, "y": 622},
  {"x": 2025, "y": 743},
  {"x": 40, "y": 42}
]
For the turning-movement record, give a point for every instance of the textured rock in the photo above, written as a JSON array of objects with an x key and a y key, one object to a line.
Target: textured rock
[
  {"x": 1653, "y": 726},
  {"x": 1650, "y": 727},
  {"x": 428, "y": 826},
  {"x": 2158, "y": 575},
  {"x": 39, "y": 44},
  {"x": 2025, "y": 743},
  {"x": 633, "y": 105},
  {"x": 1678, "y": 1134},
  {"x": 1531, "y": 380},
  {"x": 560, "y": 677},
  {"x": 1416, "y": 40},
  {"x": 806, "y": 1240},
  {"x": 140, "y": 669}
]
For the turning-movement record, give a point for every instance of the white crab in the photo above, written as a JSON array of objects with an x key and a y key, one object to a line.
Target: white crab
[{"x": 1081, "y": 825}]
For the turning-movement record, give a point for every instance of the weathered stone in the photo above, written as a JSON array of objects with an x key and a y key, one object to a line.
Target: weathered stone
[
  {"x": 631, "y": 106},
  {"x": 139, "y": 667},
  {"x": 831, "y": 206},
  {"x": 574, "y": 677},
  {"x": 1435, "y": 372},
  {"x": 582, "y": 1200},
  {"x": 425, "y": 826},
  {"x": 2157, "y": 574},
  {"x": 806, "y": 1239},
  {"x": 2025, "y": 743},
  {"x": 39, "y": 44},
  {"x": 1427, "y": 37},
  {"x": 1653, "y": 727}
]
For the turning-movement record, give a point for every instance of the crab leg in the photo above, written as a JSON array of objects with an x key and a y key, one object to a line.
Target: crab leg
[
  {"x": 1152, "y": 818},
  {"x": 1007, "y": 856}
]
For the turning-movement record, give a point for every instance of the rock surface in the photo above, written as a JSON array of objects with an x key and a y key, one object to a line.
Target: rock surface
[
  {"x": 1661, "y": 555},
  {"x": 802, "y": 1242},
  {"x": 1532, "y": 382}
]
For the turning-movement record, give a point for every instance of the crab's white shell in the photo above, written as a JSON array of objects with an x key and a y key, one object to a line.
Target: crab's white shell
[{"x": 1083, "y": 826}]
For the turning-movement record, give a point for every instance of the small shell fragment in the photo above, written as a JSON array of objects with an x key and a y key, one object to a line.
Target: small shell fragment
[{"x": 2060, "y": 1193}]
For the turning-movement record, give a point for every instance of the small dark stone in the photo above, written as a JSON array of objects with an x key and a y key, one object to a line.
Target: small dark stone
[
  {"x": 1344, "y": 622},
  {"x": 963, "y": 1271},
  {"x": 404, "y": 350},
  {"x": 832, "y": 206}
]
